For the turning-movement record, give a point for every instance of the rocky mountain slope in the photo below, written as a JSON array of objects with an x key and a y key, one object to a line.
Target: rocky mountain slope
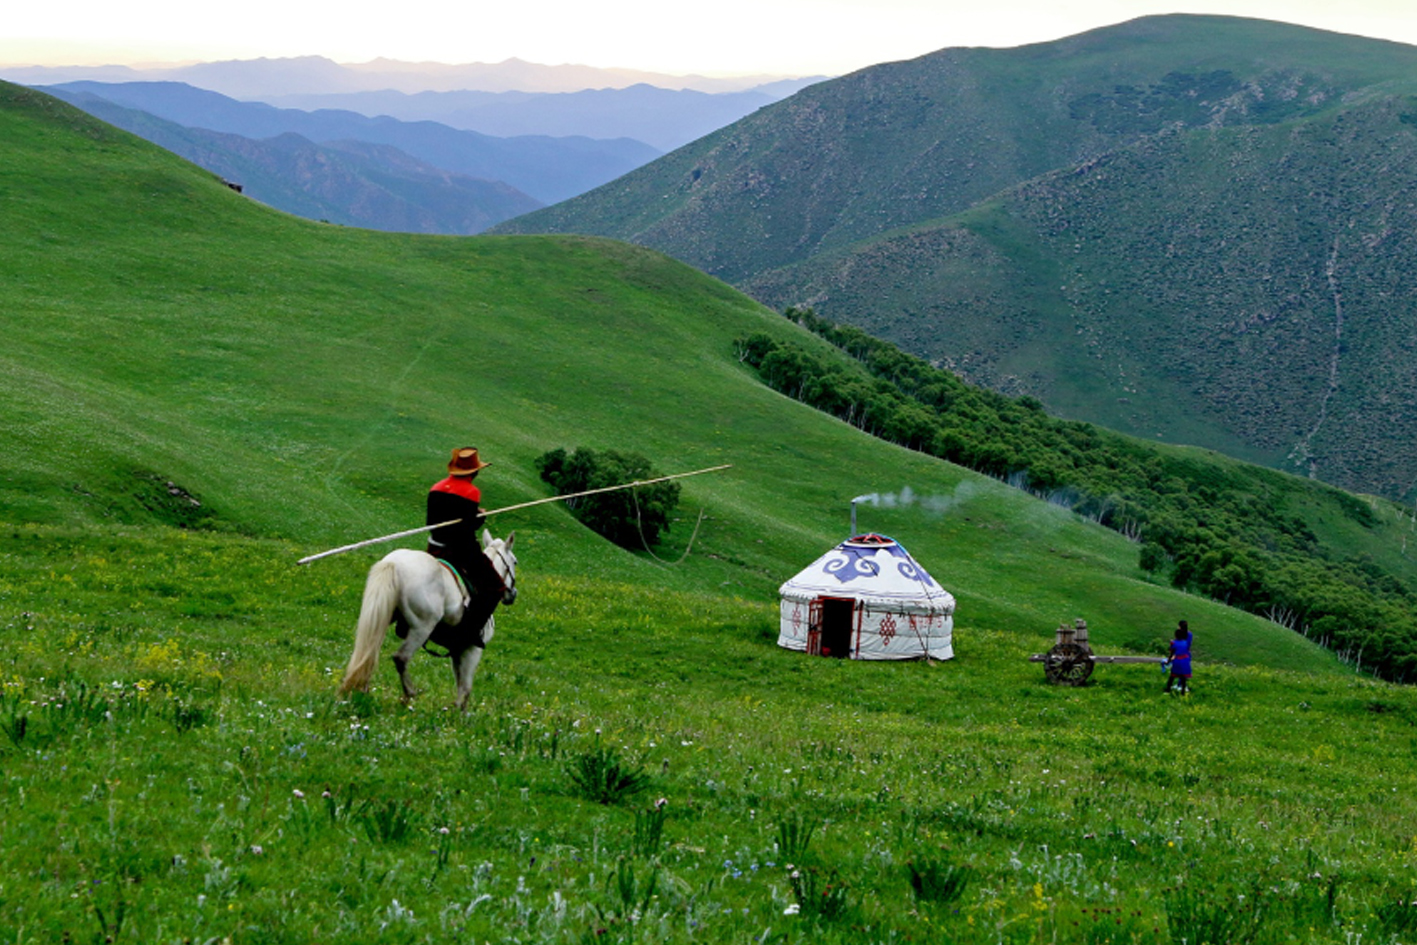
[{"x": 1184, "y": 226}]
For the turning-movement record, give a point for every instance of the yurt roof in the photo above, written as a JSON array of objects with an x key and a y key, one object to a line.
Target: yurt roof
[{"x": 873, "y": 568}]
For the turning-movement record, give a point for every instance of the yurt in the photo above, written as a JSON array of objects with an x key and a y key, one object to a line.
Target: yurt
[{"x": 867, "y": 599}]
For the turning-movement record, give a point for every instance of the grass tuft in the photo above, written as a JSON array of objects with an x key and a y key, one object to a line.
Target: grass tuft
[{"x": 601, "y": 775}]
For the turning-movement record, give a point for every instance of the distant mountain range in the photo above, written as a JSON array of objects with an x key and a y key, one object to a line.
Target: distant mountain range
[
  {"x": 546, "y": 169},
  {"x": 260, "y": 79},
  {"x": 1197, "y": 228},
  {"x": 663, "y": 118},
  {"x": 351, "y": 183}
]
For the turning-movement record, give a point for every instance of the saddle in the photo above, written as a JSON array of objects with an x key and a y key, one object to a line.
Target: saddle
[
  {"x": 445, "y": 634},
  {"x": 458, "y": 579}
]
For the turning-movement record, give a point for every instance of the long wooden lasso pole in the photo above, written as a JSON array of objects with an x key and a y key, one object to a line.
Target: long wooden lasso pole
[{"x": 511, "y": 508}]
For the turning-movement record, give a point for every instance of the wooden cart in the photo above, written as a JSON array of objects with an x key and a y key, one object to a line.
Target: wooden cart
[{"x": 1071, "y": 660}]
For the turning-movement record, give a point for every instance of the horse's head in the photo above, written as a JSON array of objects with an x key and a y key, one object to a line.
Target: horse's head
[{"x": 499, "y": 552}]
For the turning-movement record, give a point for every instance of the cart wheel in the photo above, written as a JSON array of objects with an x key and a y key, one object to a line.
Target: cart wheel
[{"x": 1068, "y": 664}]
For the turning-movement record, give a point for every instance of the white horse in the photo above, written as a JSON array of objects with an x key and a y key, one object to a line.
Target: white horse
[{"x": 418, "y": 591}]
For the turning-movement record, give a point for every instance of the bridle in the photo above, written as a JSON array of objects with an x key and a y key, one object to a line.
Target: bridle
[{"x": 509, "y": 580}]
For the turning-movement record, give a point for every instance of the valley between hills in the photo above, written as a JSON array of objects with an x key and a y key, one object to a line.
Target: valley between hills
[{"x": 200, "y": 390}]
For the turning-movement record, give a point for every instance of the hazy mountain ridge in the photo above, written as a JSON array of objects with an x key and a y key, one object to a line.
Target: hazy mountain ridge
[
  {"x": 545, "y": 168},
  {"x": 1060, "y": 167},
  {"x": 259, "y": 78},
  {"x": 662, "y": 118},
  {"x": 350, "y": 183}
]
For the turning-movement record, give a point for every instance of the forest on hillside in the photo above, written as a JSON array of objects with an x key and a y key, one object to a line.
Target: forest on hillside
[{"x": 1224, "y": 530}]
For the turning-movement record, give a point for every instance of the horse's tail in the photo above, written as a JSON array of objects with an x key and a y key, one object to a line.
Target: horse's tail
[{"x": 381, "y": 594}]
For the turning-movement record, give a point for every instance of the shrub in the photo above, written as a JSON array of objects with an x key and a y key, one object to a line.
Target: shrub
[
  {"x": 600, "y": 775},
  {"x": 1214, "y": 916},
  {"x": 631, "y": 518},
  {"x": 794, "y": 835},
  {"x": 389, "y": 821},
  {"x": 649, "y": 829},
  {"x": 935, "y": 880},
  {"x": 820, "y": 894}
]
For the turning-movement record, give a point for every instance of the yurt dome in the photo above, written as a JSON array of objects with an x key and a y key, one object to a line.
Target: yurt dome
[{"x": 867, "y": 599}]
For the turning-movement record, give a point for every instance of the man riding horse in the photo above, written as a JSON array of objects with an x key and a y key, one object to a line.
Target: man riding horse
[{"x": 455, "y": 497}]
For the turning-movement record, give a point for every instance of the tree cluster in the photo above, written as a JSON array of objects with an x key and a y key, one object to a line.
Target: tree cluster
[
  {"x": 1215, "y": 528},
  {"x": 631, "y": 518}
]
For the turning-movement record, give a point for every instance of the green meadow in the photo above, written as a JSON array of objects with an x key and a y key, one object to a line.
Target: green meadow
[
  {"x": 177, "y": 769},
  {"x": 198, "y": 391}
]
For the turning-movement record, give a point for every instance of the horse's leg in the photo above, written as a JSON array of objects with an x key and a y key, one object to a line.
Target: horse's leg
[
  {"x": 420, "y": 628},
  {"x": 464, "y": 667}
]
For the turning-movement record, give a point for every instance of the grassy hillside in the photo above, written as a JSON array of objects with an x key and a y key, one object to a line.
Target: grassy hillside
[
  {"x": 162, "y": 347},
  {"x": 167, "y": 722},
  {"x": 1253, "y": 537},
  {"x": 1189, "y": 227}
]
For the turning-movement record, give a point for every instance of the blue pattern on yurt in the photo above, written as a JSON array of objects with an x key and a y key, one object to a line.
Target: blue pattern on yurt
[{"x": 859, "y": 561}]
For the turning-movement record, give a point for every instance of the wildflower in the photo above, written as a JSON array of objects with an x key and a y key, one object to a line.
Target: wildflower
[
  {"x": 299, "y": 794},
  {"x": 792, "y": 909},
  {"x": 256, "y": 849},
  {"x": 444, "y": 831},
  {"x": 660, "y": 803}
]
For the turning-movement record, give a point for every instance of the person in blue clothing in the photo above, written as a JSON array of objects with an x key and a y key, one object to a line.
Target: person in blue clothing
[{"x": 1180, "y": 660}]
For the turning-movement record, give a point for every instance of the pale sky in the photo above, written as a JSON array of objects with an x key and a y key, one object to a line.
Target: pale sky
[{"x": 712, "y": 37}]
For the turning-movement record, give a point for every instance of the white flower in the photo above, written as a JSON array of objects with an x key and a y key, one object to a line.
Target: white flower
[
  {"x": 792, "y": 909},
  {"x": 299, "y": 794}
]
